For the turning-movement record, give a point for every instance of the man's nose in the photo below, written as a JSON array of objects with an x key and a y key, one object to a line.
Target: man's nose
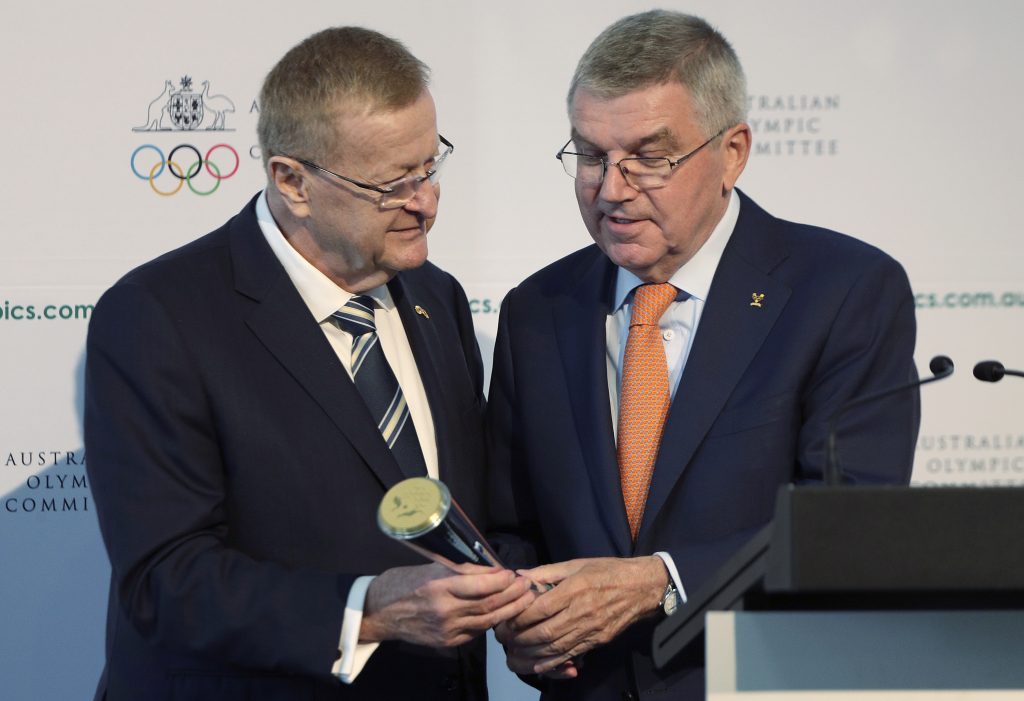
[
  {"x": 424, "y": 199},
  {"x": 615, "y": 187}
]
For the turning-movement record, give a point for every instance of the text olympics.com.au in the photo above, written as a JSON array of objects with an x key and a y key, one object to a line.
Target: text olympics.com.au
[
  {"x": 13, "y": 311},
  {"x": 968, "y": 300}
]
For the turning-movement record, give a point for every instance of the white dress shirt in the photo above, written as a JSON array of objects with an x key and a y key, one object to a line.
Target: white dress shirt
[
  {"x": 678, "y": 324},
  {"x": 323, "y": 298}
]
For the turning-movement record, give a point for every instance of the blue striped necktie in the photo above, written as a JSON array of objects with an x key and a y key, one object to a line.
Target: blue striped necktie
[{"x": 377, "y": 384}]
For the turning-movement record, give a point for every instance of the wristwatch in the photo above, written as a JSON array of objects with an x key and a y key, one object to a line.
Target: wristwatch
[{"x": 670, "y": 600}]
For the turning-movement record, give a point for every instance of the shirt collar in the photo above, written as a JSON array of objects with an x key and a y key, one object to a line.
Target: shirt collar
[
  {"x": 320, "y": 294},
  {"x": 696, "y": 275}
]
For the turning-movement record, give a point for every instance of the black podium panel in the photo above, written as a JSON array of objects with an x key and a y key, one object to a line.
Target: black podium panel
[
  {"x": 868, "y": 548},
  {"x": 897, "y": 539}
]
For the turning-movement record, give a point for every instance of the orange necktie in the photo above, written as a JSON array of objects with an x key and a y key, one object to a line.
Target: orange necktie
[{"x": 644, "y": 399}]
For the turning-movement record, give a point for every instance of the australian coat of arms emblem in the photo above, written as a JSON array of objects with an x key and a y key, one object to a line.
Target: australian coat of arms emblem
[{"x": 184, "y": 109}]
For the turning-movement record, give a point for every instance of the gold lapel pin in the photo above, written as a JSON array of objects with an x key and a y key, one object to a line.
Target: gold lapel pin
[
  {"x": 757, "y": 298},
  {"x": 423, "y": 312}
]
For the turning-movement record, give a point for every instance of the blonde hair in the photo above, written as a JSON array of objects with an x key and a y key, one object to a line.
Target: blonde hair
[{"x": 332, "y": 70}]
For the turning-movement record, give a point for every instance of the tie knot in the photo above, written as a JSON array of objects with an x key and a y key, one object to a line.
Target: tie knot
[
  {"x": 650, "y": 302},
  {"x": 356, "y": 317}
]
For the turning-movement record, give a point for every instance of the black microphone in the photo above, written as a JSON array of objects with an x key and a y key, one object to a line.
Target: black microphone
[
  {"x": 993, "y": 371},
  {"x": 940, "y": 366}
]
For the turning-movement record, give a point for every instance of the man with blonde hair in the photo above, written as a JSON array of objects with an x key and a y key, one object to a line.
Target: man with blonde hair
[
  {"x": 652, "y": 392},
  {"x": 280, "y": 374}
]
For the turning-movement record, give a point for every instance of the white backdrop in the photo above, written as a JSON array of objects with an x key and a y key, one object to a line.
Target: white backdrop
[{"x": 881, "y": 119}]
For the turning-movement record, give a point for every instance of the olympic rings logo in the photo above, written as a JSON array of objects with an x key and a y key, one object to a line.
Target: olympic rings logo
[{"x": 184, "y": 176}]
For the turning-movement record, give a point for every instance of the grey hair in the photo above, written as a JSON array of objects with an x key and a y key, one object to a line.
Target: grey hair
[
  {"x": 333, "y": 70},
  {"x": 660, "y": 46}
]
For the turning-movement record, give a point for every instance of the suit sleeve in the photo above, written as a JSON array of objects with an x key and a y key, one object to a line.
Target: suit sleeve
[
  {"x": 870, "y": 347},
  {"x": 159, "y": 484}
]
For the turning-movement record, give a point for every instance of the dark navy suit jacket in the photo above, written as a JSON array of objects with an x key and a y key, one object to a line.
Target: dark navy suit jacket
[
  {"x": 751, "y": 413},
  {"x": 237, "y": 473}
]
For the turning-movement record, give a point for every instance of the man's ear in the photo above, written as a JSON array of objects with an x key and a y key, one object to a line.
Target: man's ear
[
  {"x": 736, "y": 142},
  {"x": 291, "y": 180}
]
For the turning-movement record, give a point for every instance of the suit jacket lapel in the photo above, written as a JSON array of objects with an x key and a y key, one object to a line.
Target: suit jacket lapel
[
  {"x": 283, "y": 324},
  {"x": 427, "y": 350},
  {"x": 580, "y": 319},
  {"x": 730, "y": 334}
]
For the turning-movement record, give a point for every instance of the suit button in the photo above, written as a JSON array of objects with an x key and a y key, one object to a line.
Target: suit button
[
  {"x": 451, "y": 682},
  {"x": 628, "y": 696}
]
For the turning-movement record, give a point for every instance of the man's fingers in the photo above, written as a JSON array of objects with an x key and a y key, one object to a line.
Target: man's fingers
[
  {"x": 462, "y": 606},
  {"x": 566, "y": 671},
  {"x": 470, "y": 568},
  {"x": 479, "y": 586},
  {"x": 550, "y": 656},
  {"x": 562, "y": 643},
  {"x": 512, "y": 608},
  {"x": 536, "y": 638},
  {"x": 429, "y": 605},
  {"x": 553, "y": 573},
  {"x": 520, "y": 664},
  {"x": 504, "y": 635},
  {"x": 595, "y": 600},
  {"x": 492, "y": 618},
  {"x": 547, "y": 605},
  {"x": 510, "y": 601}
]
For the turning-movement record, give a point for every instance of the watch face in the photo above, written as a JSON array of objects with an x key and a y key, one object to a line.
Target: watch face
[{"x": 671, "y": 604}]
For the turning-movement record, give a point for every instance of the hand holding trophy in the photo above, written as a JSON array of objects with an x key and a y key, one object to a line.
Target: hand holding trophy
[{"x": 421, "y": 513}]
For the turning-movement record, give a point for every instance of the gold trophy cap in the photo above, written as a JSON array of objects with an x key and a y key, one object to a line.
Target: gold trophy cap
[{"x": 413, "y": 507}]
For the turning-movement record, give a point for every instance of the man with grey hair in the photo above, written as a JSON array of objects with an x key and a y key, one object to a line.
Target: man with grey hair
[
  {"x": 652, "y": 392},
  {"x": 280, "y": 374}
]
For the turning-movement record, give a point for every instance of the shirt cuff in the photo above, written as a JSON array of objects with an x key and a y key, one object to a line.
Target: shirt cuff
[
  {"x": 670, "y": 565},
  {"x": 354, "y": 655}
]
